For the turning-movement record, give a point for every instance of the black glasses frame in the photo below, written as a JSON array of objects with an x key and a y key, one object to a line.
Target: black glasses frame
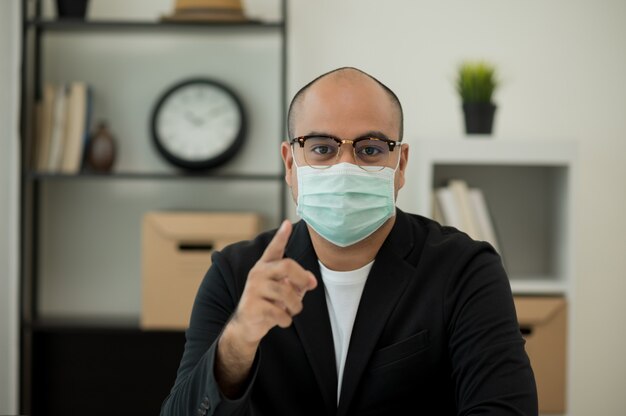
[{"x": 301, "y": 139}]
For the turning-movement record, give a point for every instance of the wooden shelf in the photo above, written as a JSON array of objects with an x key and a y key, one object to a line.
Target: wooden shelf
[
  {"x": 45, "y": 176},
  {"x": 99, "y": 324}
]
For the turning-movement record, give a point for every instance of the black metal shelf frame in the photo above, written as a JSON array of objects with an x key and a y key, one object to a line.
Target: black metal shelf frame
[
  {"x": 99, "y": 25},
  {"x": 34, "y": 28}
]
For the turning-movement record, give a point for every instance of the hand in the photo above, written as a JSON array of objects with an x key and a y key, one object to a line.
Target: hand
[
  {"x": 272, "y": 296},
  {"x": 273, "y": 292}
]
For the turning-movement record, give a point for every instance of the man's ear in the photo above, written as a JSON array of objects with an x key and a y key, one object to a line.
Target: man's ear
[
  {"x": 287, "y": 155},
  {"x": 404, "y": 159}
]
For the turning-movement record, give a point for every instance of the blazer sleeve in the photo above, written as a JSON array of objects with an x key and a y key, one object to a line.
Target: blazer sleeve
[
  {"x": 490, "y": 368},
  {"x": 195, "y": 391}
]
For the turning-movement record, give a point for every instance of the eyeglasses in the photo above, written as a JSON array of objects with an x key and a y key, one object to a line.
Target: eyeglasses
[{"x": 322, "y": 151}]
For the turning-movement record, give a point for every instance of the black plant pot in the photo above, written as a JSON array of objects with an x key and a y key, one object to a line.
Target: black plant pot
[
  {"x": 74, "y": 9},
  {"x": 479, "y": 117}
]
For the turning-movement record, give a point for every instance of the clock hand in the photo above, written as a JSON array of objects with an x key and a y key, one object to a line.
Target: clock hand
[
  {"x": 190, "y": 118},
  {"x": 216, "y": 111},
  {"x": 193, "y": 119}
]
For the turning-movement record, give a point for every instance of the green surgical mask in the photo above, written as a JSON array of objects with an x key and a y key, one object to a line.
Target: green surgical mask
[{"x": 343, "y": 203}]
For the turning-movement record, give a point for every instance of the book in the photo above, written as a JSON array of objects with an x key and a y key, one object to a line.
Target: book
[
  {"x": 483, "y": 217},
  {"x": 467, "y": 222},
  {"x": 44, "y": 130},
  {"x": 76, "y": 125},
  {"x": 437, "y": 212},
  {"x": 449, "y": 208},
  {"x": 59, "y": 126},
  {"x": 34, "y": 162},
  {"x": 87, "y": 132}
]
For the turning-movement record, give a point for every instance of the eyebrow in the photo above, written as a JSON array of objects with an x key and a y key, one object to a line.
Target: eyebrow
[
  {"x": 371, "y": 133},
  {"x": 375, "y": 133}
]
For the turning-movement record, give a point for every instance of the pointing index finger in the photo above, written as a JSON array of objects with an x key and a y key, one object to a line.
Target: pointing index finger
[{"x": 276, "y": 248}]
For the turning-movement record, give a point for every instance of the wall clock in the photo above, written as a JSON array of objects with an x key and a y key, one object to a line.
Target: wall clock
[{"x": 198, "y": 124}]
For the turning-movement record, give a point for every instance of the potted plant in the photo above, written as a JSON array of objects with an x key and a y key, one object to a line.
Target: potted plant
[
  {"x": 476, "y": 84},
  {"x": 72, "y": 9}
]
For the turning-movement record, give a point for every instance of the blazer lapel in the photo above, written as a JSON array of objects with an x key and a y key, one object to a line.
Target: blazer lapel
[
  {"x": 313, "y": 324},
  {"x": 385, "y": 284}
]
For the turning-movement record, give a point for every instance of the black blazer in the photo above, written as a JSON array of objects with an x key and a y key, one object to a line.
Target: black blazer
[{"x": 435, "y": 334}]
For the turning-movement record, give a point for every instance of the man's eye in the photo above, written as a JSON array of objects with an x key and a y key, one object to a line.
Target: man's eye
[
  {"x": 322, "y": 150},
  {"x": 370, "y": 151}
]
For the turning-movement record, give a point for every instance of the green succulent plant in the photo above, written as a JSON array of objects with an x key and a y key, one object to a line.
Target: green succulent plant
[{"x": 476, "y": 82}]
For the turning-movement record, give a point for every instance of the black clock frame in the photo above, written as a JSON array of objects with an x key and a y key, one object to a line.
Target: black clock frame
[{"x": 209, "y": 163}]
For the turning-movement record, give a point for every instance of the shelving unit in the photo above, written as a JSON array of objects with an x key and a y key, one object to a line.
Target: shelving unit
[
  {"x": 81, "y": 344},
  {"x": 528, "y": 185}
]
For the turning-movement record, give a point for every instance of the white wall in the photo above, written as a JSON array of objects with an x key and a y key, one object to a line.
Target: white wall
[
  {"x": 563, "y": 64},
  {"x": 9, "y": 81}
]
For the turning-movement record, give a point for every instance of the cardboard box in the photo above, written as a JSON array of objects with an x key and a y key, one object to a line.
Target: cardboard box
[
  {"x": 543, "y": 321},
  {"x": 176, "y": 254}
]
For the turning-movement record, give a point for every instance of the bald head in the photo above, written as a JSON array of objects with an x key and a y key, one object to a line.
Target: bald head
[{"x": 345, "y": 78}]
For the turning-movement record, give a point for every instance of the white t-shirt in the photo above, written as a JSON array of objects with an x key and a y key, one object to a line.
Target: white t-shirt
[{"x": 343, "y": 294}]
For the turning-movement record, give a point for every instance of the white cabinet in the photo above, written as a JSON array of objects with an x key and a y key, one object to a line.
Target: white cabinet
[{"x": 529, "y": 189}]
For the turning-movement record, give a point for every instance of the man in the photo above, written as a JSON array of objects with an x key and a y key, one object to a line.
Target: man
[{"x": 359, "y": 309}]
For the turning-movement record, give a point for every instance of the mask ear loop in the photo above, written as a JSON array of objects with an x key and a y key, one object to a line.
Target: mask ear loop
[
  {"x": 399, "y": 147},
  {"x": 293, "y": 155}
]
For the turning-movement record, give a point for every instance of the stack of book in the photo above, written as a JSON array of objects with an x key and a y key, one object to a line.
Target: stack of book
[
  {"x": 63, "y": 115},
  {"x": 457, "y": 205}
]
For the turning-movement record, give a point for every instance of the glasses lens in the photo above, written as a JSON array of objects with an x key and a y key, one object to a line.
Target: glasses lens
[
  {"x": 320, "y": 152},
  {"x": 371, "y": 154}
]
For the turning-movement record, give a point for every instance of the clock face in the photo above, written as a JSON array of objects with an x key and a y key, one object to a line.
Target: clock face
[{"x": 198, "y": 124}]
